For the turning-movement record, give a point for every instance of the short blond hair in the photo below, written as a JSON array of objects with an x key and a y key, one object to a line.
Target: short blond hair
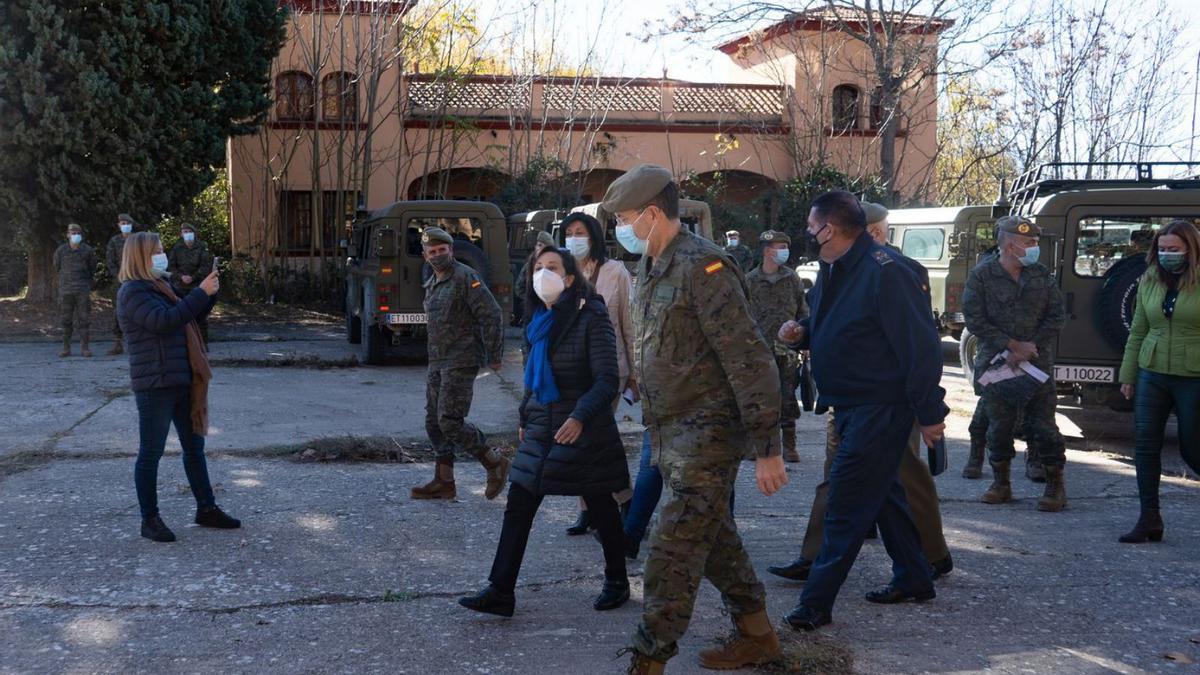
[{"x": 135, "y": 257}]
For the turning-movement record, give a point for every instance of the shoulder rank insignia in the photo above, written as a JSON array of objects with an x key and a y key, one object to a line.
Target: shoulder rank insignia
[
  {"x": 476, "y": 284},
  {"x": 713, "y": 268},
  {"x": 882, "y": 257}
]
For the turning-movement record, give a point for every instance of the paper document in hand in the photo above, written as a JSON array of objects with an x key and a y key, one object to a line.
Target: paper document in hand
[
  {"x": 1016, "y": 387},
  {"x": 1037, "y": 373}
]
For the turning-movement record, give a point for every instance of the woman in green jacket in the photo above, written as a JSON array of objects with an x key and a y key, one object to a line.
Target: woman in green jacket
[{"x": 1161, "y": 367}]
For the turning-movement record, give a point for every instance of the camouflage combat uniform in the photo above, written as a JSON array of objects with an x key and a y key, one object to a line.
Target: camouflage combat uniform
[
  {"x": 742, "y": 255},
  {"x": 775, "y": 299},
  {"x": 465, "y": 332},
  {"x": 196, "y": 262},
  {"x": 112, "y": 261},
  {"x": 75, "y": 267},
  {"x": 998, "y": 309},
  {"x": 709, "y": 393}
]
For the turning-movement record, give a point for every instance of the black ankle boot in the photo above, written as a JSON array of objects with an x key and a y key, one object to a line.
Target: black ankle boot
[
  {"x": 213, "y": 516},
  {"x": 582, "y": 524},
  {"x": 614, "y": 594},
  {"x": 1149, "y": 528},
  {"x": 490, "y": 600},
  {"x": 154, "y": 529},
  {"x": 632, "y": 546}
]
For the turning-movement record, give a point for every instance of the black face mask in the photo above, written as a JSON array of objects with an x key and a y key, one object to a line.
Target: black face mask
[
  {"x": 442, "y": 262},
  {"x": 813, "y": 245}
]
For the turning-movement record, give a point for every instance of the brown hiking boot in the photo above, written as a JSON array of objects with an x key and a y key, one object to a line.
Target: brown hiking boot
[
  {"x": 974, "y": 468},
  {"x": 1055, "y": 497},
  {"x": 755, "y": 644},
  {"x": 1034, "y": 470},
  {"x": 789, "y": 445},
  {"x": 117, "y": 349},
  {"x": 497, "y": 466},
  {"x": 644, "y": 665},
  {"x": 1000, "y": 491},
  {"x": 442, "y": 485}
]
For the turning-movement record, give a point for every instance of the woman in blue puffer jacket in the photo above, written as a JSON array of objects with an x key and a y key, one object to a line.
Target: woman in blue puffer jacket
[{"x": 169, "y": 371}]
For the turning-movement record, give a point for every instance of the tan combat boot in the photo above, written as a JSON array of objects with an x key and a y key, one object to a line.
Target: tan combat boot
[
  {"x": 1034, "y": 470},
  {"x": 789, "y": 445},
  {"x": 1000, "y": 491},
  {"x": 974, "y": 467},
  {"x": 497, "y": 466},
  {"x": 1055, "y": 497},
  {"x": 644, "y": 665},
  {"x": 442, "y": 485},
  {"x": 755, "y": 644}
]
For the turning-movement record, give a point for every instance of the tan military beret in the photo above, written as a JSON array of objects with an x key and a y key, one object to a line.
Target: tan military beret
[
  {"x": 636, "y": 188},
  {"x": 874, "y": 212},
  {"x": 545, "y": 238},
  {"x": 436, "y": 235},
  {"x": 1018, "y": 225},
  {"x": 774, "y": 237},
  {"x": 124, "y": 216},
  {"x": 74, "y": 227}
]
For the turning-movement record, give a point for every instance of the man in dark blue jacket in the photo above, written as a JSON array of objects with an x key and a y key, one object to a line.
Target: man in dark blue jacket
[{"x": 877, "y": 361}]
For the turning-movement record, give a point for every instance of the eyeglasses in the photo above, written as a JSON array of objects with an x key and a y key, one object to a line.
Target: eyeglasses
[{"x": 621, "y": 222}]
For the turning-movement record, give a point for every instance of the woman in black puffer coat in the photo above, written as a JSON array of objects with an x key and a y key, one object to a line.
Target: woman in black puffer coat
[
  {"x": 169, "y": 373},
  {"x": 569, "y": 439}
]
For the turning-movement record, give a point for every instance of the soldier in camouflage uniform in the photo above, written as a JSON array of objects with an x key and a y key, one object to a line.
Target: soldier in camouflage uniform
[
  {"x": 709, "y": 393},
  {"x": 74, "y": 264},
  {"x": 1012, "y": 303},
  {"x": 112, "y": 261},
  {"x": 776, "y": 296},
  {"x": 741, "y": 254},
  {"x": 189, "y": 262},
  {"x": 465, "y": 330}
]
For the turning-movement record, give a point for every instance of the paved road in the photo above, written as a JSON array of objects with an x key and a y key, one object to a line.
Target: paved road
[{"x": 338, "y": 571}]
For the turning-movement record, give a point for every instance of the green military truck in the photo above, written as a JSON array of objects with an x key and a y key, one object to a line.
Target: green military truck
[
  {"x": 385, "y": 271},
  {"x": 1095, "y": 234}
]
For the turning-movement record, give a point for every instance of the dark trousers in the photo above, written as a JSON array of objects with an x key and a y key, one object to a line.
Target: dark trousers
[
  {"x": 75, "y": 310},
  {"x": 518, "y": 521},
  {"x": 864, "y": 487},
  {"x": 117, "y": 334},
  {"x": 1042, "y": 440},
  {"x": 157, "y": 409},
  {"x": 1155, "y": 395},
  {"x": 647, "y": 491}
]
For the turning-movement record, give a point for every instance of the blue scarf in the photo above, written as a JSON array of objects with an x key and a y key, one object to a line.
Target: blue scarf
[{"x": 538, "y": 377}]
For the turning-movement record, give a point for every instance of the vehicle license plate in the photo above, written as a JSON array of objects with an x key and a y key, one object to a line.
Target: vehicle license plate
[
  {"x": 406, "y": 318},
  {"x": 1085, "y": 374}
]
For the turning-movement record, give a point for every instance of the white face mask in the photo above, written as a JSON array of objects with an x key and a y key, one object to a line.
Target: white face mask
[
  {"x": 126, "y": 228},
  {"x": 548, "y": 285},
  {"x": 579, "y": 246},
  {"x": 158, "y": 263}
]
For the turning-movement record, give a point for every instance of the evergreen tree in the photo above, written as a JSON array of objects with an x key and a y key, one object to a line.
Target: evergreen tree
[{"x": 122, "y": 105}]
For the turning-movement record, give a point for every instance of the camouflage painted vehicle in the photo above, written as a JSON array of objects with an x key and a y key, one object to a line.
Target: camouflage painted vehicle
[{"x": 385, "y": 272}]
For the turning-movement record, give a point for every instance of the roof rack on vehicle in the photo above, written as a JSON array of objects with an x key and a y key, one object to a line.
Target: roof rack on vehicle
[{"x": 1054, "y": 177}]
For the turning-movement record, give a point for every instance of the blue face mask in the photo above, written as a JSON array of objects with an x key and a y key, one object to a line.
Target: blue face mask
[
  {"x": 1172, "y": 261},
  {"x": 158, "y": 263},
  {"x": 630, "y": 241},
  {"x": 1031, "y": 255},
  {"x": 189, "y": 237},
  {"x": 579, "y": 246},
  {"x": 75, "y": 239},
  {"x": 781, "y": 256}
]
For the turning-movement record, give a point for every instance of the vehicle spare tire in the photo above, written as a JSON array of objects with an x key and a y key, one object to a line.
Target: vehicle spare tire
[
  {"x": 1114, "y": 302},
  {"x": 468, "y": 254}
]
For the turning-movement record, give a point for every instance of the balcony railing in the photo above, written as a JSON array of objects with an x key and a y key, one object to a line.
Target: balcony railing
[{"x": 607, "y": 99}]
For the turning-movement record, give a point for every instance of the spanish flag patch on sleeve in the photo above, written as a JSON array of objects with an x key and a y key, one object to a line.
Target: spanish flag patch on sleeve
[
  {"x": 713, "y": 268},
  {"x": 476, "y": 284}
]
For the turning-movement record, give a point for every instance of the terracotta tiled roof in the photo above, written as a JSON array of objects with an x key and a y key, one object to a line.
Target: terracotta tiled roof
[{"x": 838, "y": 18}]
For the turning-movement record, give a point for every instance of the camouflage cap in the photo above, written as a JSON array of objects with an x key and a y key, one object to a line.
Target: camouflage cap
[
  {"x": 774, "y": 237},
  {"x": 636, "y": 188},
  {"x": 124, "y": 216},
  {"x": 74, "y": 227},
  {"x": 1018, "y": 225},
  {"x": 545, "y": 238},
  {"x": 436, "y": 235},
  {"x": 874, "y": 212}
]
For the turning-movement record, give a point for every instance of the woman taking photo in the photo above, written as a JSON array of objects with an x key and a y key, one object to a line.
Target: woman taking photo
[
  {"x": 569, "y": 440},
  {"x": 585, "y": 240},
  {"x": 1161, "y": 368},
  {"x": 170, "y": 373}
]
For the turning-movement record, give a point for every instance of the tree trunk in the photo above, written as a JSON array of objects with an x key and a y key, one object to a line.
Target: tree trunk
[
  {"x": 40, "y": 272},
  {"x": 887, "y": 143}
]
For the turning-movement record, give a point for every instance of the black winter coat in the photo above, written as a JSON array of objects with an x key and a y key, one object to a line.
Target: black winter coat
[
  {"x": 155, "y": 333},
  {"x": 583, "y": 357}
]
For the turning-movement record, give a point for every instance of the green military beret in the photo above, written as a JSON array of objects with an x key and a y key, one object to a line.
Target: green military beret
[
  {"x": 874, "y": 212},
  {"x": 636, "y": 188},
  {"x": 1018, "y": 225},
  {"x": 774, "y": 237},
  {"x": 436, "y": 235},
  {"x": 74, "y": 227},
  {"x": 124, "y": 216},
  {"x": 545, "y": 238},
  {"x": 187, "y": 226}
]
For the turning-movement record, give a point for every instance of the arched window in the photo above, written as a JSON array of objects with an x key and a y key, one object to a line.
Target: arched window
[
  {"x": 294, "y": 97},
  {"x": 339, "y": 97},
  {"x": 845, "y": 107}
]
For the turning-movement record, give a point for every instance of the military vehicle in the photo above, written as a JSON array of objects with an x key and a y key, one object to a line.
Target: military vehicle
[
  {"x": 385, "y": 272},
  {"x": 1095, "y": 234}
]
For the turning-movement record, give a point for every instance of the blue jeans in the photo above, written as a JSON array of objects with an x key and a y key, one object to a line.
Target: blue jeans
[
  {"x": 157, "y": 409},
  {"x": 1154, "y": 397},
  {"x": 647, "y": 490}
]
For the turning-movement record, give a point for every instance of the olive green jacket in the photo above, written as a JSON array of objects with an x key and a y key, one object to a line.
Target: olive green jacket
[{"x": 1169, "y": 346}]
